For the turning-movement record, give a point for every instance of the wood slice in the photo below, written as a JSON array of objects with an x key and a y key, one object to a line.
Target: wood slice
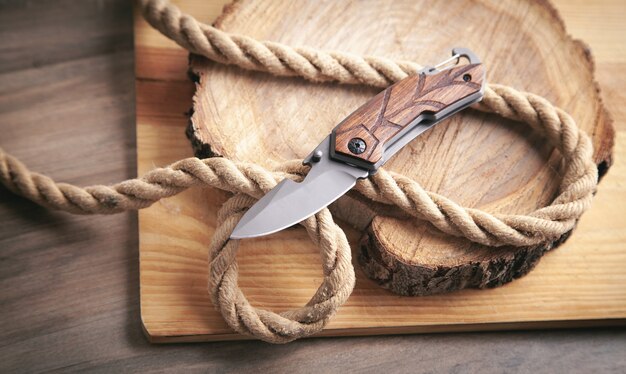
[{"x": 479, "y": 160}]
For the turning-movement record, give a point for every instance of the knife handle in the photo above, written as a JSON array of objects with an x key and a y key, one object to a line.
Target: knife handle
[{"x": 365, "y": 134}]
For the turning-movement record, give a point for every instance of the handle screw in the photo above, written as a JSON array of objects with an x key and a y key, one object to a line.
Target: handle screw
[
  {"x": 357, "y": 146},
  {"x": 317, "y": 156}
]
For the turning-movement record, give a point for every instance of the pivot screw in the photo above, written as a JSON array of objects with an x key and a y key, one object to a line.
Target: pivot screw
[
  {"x": 317, "y": 156},
  {"x": 357, "y": 146}
]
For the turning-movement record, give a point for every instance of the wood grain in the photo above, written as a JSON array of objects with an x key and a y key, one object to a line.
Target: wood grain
[
  {"x": 175, "y": 306},
  {"x": 478, "y": 160},
  {"x": 377, "y": 122},
  {"x": 70, "y": 299}
]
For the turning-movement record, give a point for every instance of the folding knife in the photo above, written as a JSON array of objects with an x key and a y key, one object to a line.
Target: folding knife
[{"x": 366, "y": 139}]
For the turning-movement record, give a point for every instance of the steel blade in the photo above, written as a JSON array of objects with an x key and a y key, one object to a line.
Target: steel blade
[{"x": 290, "y": 202}]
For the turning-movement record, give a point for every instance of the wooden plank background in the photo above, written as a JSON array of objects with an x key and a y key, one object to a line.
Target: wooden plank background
[
  {"x": 579, "y": 284},
  {"x": 70, "y": 284}
]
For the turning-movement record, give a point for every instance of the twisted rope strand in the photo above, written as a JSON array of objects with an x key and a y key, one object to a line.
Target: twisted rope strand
[
  {"x": 386, "y": 187},
  {"x": 275, "y": 58},
  {"x": 249, "y": 182}
]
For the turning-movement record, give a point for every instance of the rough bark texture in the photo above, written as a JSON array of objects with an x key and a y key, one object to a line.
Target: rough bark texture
[
  {"x": 425, "y": 279},
  {"x": 477, "y": 159}
]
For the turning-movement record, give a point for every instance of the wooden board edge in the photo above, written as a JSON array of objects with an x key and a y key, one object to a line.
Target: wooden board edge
[{"x": 406, "y": 330}]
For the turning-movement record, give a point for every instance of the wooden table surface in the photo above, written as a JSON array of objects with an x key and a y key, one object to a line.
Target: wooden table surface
[{"x": 70, "y": 298}]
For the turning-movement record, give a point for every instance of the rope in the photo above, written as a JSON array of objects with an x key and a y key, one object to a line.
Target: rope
[
  {"x": 284, "y": 327},
  {"x": 249, "y": 182}
]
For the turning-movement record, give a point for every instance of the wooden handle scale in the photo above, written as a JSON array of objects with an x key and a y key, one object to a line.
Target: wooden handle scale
[{"x": 364, "y": 137}]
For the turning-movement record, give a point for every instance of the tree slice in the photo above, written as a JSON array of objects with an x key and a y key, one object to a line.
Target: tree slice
[{"x": 479, "y": 160}]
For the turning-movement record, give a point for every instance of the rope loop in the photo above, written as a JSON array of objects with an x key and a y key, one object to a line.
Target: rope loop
[{"x": 283, "y": 327}]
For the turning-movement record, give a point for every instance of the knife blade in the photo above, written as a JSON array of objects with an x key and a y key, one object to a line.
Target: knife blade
[{"x": 366, "y": 139}]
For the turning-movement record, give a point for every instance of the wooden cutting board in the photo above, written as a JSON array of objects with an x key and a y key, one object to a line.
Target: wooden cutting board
[{"x": 580, "y": 284}]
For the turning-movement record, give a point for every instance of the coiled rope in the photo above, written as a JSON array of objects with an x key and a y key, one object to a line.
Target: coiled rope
[{"x": 248, "y": 182}]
